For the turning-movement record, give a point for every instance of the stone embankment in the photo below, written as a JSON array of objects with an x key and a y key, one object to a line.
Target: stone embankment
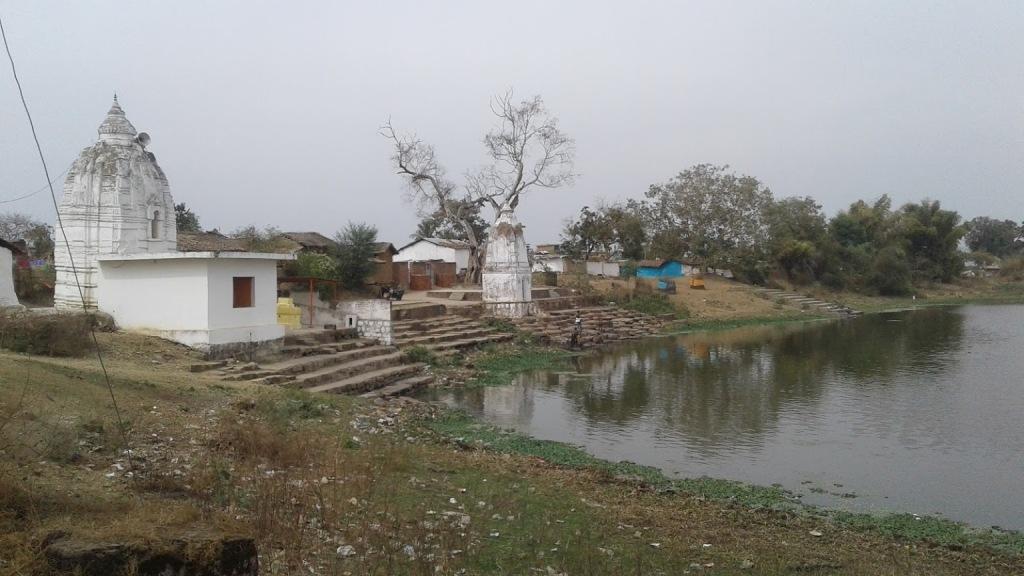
[
  {"x": 805, "y": 302},
  {"x": 601, "y": 325},
  {"x": 332, "y": 361},
  {"x": 445, "y": 333}
]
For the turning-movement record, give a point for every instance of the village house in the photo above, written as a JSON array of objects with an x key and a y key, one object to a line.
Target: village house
[
  {"x": 8, "y": 297},
  {"x": 383, "y": 259},
  {"x": 308, "y": 242},
  {"x": 435, "y": 249},
  {"x": 118, "y": 215}
]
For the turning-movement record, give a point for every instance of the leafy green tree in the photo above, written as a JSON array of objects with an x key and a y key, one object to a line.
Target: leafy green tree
[
  {"x": 932, "y": 237},
  {"x": 890, "y": 274},
  {"x": 185, "y": 219},
  {"x": 267, "y": 239},
  {"x": 798, "y": 235},
  {"x": 1000, "y": 238},
  {"x": 316, "y": 265},
  {"x": 629, "y": 231},
  {"x": 354, "y": 254},
  {"x": 589, "y": 232},
  {"x": 717, "y": 216}
]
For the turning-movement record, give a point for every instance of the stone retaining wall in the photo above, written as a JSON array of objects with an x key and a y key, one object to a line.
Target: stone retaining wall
[{"x": 372, "y": 318}]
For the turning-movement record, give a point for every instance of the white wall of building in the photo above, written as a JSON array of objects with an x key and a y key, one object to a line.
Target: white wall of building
[
  {"x": 423, "y": 250},
  {"x": 161, "y": 297},
  {"x": 258, "y": 323},
  {"x": 7, "y": 295},
  {"x": 606, "y": 269},
  {"x": 188, "y": 297},
  {"x": 550, "y": 264}
]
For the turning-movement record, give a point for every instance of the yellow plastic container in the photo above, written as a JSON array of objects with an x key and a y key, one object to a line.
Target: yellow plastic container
[{"x": 288, "y": 314}]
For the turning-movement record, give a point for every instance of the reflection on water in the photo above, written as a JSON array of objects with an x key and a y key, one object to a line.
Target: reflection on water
[{"x": 920, "y": 411}]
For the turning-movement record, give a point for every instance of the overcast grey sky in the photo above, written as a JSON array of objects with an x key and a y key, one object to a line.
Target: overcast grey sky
[{"x": 267, "y": 113}]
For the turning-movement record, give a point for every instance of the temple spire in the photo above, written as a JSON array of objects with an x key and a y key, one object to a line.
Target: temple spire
[{"x": 116, "y": 127}]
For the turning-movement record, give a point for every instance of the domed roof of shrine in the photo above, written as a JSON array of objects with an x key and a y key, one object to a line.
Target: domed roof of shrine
[{"x": 116, "y": 127}]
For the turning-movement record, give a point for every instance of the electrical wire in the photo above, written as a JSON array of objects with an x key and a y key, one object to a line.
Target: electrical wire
[
  {"x": 71, "y": 259},
  {"x": 31, "y": 194}
]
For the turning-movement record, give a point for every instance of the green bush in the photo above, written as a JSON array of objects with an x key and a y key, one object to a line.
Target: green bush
[
  {"x": 652, "y": 304},
  {"x": 420, "y": 354},
  {"x": 1013, "y": 269},
  {"x": 47, "y": 335},
  {"x": 890, "y": 273}
]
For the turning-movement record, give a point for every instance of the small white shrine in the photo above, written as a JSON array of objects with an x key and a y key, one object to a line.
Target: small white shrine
[
  {"x": 8, "y": 298},
  {"x": 118, "y": 215},
  {"x": 507, "y": 284}
]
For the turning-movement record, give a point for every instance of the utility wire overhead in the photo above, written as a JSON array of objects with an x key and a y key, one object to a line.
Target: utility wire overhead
[{"x": 60, "y": 225}]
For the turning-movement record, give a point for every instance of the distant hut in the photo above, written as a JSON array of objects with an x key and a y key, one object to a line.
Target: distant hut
[{"x": 660, "y": 269}]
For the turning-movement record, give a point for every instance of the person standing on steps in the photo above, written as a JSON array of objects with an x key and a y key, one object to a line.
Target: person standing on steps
[{"x": 577, "y": 332}]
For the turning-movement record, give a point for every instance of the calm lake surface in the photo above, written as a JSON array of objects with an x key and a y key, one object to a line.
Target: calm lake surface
[{"x": 919, "y": 411}]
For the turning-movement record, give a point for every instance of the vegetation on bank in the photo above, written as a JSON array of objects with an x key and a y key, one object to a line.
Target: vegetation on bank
[
  {"x": 498, "y": 365},
  {"x": 718, "y": 219},
  {"x": 465, "y": 431},
  {"x": 328, "y": 484}
]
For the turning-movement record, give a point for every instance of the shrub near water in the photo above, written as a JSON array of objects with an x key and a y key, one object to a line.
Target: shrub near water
[{"x": 49, "y": 335}]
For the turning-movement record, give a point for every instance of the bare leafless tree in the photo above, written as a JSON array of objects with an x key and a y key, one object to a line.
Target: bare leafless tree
[{"x": 527, "y": 150}]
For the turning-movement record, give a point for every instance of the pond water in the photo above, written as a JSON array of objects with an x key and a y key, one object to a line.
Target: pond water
[{"x": 919, "y": 411}]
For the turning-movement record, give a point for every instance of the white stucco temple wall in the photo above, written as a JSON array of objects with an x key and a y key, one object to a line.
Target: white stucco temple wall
[
  {"x": 188, "y": 297},
  {"x": 116, "y": 201},
  {"x": 118, "y": 214},
  {"x": 507, "y": 284}
]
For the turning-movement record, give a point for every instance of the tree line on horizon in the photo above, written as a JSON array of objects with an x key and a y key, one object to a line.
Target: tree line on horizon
[
  {"x": 709, "y": 216},
  {"x": 717, "y": 219}
]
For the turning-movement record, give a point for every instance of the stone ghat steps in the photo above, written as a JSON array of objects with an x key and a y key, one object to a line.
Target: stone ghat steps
[
  {"x": 402, "y": 387},
  {"x": 601, "y": 324},
  {"x": 433, "y": 325},
  {"x": 372, "y": 380},
  {"x": 318, "y": 363},
  {"x": 806, "y": 301},
  {"x": 563, "y": 303},
  {"x": 446, "y": 334},
  {"x": 315, "y": 336}
]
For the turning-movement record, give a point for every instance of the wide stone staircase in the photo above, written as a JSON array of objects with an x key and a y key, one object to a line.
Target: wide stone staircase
[
  {"x": 806, "y": 302},
  {"x": 446, "y": 333},
  {"x": 336, "y": 362},
  {"x": 601, "y": 324}
]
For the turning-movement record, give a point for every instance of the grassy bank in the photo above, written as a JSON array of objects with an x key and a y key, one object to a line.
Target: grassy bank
[
  {"x": 465, "y": 431},
  {"x": 329, "y": 485}
]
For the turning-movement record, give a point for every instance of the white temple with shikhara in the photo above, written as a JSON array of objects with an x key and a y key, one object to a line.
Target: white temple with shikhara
[
  {"x": 118, "y": 215},
  {"x": 116, "y": 202},
  {"x": 506, "y": 278}
]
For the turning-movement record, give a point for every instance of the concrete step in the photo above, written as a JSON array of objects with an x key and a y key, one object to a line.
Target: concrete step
[
  {"x": 371, "y": 380},
  {"x": 469, "y": 342},
  {"x": 417, "y": 324},
  {"x": 347, "y": 370},
  {"x": 318, "y": 361},
  {"x": 312, "y": 336},
  {"x": 417, "y": 310},
  {"x": 402, "y": 387},
  {"x": 297, "y": 350},
  {"x": 429, "y": 328},
  {"x": 446, "y": 336}
]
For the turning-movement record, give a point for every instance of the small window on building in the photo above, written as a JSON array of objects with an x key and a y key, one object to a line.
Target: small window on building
[
  {"x": 154, "y": 225},
  {"x": 244, "y": 291}
]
